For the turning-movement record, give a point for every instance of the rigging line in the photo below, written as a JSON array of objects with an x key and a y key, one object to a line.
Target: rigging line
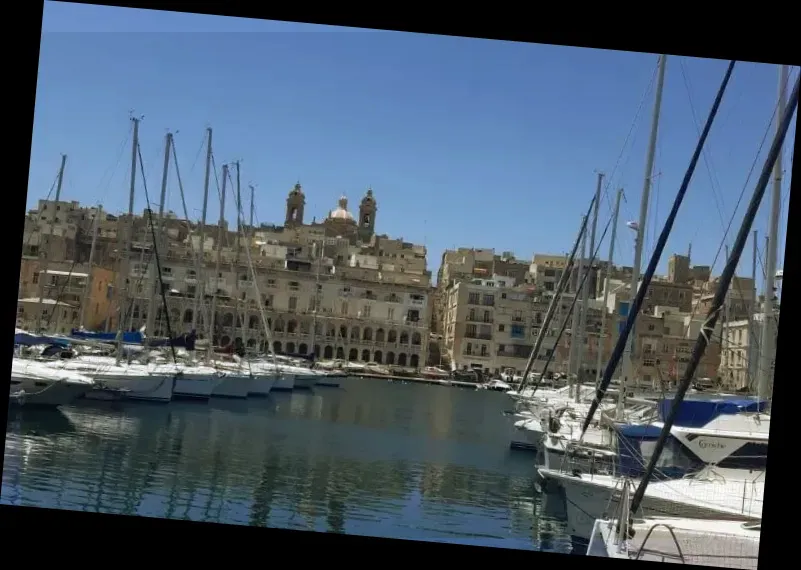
[
  {"x": 110, "y": 171},
  {"x": 195, "y": 257},
  {"x": 156, "y": 256},
  {"x": 713, "y": 181},
  {"x": 727, "y": 229},
  {"x": 634, "y": 122}
]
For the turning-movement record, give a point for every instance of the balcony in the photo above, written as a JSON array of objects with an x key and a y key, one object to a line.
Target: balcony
[{"x": 479, "y": 336}]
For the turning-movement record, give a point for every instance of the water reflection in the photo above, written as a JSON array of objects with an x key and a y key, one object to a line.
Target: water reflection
[{"x": 374, "y": 458}]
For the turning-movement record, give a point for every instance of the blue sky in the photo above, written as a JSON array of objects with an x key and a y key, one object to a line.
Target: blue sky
[{"x": 465, "y": 142}]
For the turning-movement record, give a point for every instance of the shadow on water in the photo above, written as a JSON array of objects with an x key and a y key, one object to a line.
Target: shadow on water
[{"x": 374, "y": 458}]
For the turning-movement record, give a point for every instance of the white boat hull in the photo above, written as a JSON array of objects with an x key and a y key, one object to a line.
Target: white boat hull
[
  {"x": 527, "y": 435},
  {"x": 34, "y": 391},
  {"x": 285, "y": 383},
  {"x": 198, "y": 386},
  {"x": 305, "y": 381},
  {"x": 262, "y": 385},
  {"x": 152, "y": 388},
  {"x": 585, "y": 503},
  {"x": 232, "y": 387}
]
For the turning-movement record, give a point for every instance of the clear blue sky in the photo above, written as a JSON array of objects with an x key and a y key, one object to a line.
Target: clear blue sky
[{"x": 465, "y": 142}]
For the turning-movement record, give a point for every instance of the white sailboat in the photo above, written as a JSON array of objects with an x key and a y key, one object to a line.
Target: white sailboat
[{"x": 34, "y": 383}]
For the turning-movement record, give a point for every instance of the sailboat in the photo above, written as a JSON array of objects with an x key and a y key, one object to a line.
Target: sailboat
[{"x": 719, "y": 491}]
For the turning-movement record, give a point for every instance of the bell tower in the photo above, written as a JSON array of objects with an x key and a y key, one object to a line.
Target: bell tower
[
  {"x": 367, "y": 212},
  {"x": 294, "y": 206}
]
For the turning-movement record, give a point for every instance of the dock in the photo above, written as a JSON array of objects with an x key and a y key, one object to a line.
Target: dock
[{"x": 430, "y": 381}]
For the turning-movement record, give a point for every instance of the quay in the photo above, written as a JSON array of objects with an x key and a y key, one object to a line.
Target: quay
[{"x": 430, "y": 381}]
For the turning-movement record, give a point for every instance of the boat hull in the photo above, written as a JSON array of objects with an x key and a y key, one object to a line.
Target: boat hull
[
  {"x": 196, "y": 387},
  {"x": 305, "y": 381},
  {"x": 33, "y": 391},
  {"x": 261, "y": 385},
  {"x": 151, "y": 388},
  {"x": 285, "y": 383},
  {"x": 586, "y": 502},
  {"x": 528, "y": 438},
  {"x": 234, "y": 386}
]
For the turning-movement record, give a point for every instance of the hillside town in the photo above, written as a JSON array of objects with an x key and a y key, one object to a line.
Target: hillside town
[{"x": 336, "y": 288}]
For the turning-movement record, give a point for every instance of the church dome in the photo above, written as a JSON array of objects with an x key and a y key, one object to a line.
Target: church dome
[{"x": 341, "y": 212}]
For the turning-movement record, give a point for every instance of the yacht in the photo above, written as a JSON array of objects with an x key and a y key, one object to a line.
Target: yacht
[{"x": 35, "y": 383}]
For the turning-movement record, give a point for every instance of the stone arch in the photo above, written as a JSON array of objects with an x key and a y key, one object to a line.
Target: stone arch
[
  {"x": 331, "y": 331},
  {"x": 277, "y": 346},
  {"x": 404, "y": 337},
  {"x": 390, "y": 357},
  {"x": 416, "y": 338},
  {"x": 368, "y": 334},
  {"x": 377, "y": 357},
  {"x": 253, "y": 322},
  {"x": 354, "y": 333},
  {"x": 365, "y": 355},
  {"x": 379, "y": 335},
  {"x": 353, "y": 354},
  {"x": 292, "y": 326},
  {"x": 343, "y": 331},
  {"x": 251, "y": 343},
  {"x": 329, "y": 352},
  {"x": 303, "y": 348},
  {"x": 402, "y": 359},
  {"x": 225, "y": 340},
  {"x": 392, "y": 336},
  {"x": 340, "y": 353},
  {"x": 290, "y": 348},
  {"x": 414, "y": 361}
]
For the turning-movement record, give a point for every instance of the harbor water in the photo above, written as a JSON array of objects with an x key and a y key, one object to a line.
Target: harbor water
[{"x": 372, "y": 458}]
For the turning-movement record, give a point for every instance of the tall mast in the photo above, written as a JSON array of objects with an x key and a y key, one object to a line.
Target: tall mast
[
  {"x": 43, "y": 255},
  {"x": 585, "y": 292},
  {"x": 220, "y": 230},
  {"x": 200, "y": 289},
  {"x": 316, "y": 295},
  {"x": 631, "y": 346},
  {"x": 125, "y": 265},
  {"x": 575, "y": 335},
  {"x": 154, "y": 281},
  {"x": 87, "y": 287},
  {"x": 753, "y": 335},
  {"x": 724, "y": 341},
  {"x": 239, "y": 227},
  {"x": 767, "y": 351},
  {"x": 606, "y": 287}
]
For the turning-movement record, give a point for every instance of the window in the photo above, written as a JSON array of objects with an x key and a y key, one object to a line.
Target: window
[
  {"x": 391, "y": 314},
  {"x": 293, "y": 303},
  {"x": 500, "y": 328}
]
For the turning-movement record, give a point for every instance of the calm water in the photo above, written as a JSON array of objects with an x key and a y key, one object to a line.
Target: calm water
[{"x": 372, "y": 458}]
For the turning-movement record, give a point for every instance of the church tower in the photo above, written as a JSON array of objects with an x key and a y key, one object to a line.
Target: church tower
[
  {"x": 294, "y": 206},
  {"x": 367, "y": 212}
]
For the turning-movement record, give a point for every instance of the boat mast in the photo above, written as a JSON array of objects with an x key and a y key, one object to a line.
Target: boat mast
[
  {"x": 239, "y": 227},
  {"x": 575, "y": 324},
  {"x": 631, "y": 346},
  {"x": 200, "y": 289},
  {"x": 606, "y": 286},
  {"x": 555, "y": 300},
  {"x": 87, "y": 287},
  {"x": 753, "y": 338},
  {"x": 157, "y": 235},
  {"x": 125, "y": 265},
  {"x": 725, "y": 345},
  {"x": 220, "y": 230},
  {"x": 585, "y": 295},
  {"x": 43, "y": 255},
  {"x": 706, "y": 332},
  {"x": 767, "y": 349},
  {"x": 639, "y": 296}
]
